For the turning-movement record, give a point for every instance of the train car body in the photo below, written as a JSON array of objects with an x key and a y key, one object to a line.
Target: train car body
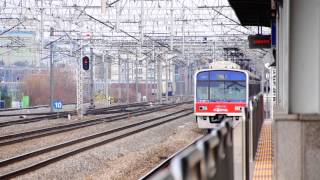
[{"x": 222, "y": 91}]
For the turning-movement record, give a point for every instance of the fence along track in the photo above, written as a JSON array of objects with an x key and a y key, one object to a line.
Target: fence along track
[
  {"x": 14, "y": 138},
  {"x": 56, "y": 158}
]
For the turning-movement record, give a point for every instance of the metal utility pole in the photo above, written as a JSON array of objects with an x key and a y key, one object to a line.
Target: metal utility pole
[
  {"x": 117, "y": 16},
  {"x": 41, "y": 35},
  {"x": 167, "y": 66},
  {"x": 51, "y": 72},
  {"x": 171, "y": 26},
  {"x": 141, "y": 28},
  {"x": 103, "y": 7},
  {"x": 154, "y": 67},
  {"x": 141, "y": 43},
  {"x": 79, "y": 84},
  {"x": 188, "y": 75},
  {"x": 128, "y": 80},
  {"x": 133, "y": 70},
  {"x": 119, "y": 77},
  {"x": 184, "y": 54},
  {"x": 106, "y": 78},
  {"x": 91, "y": 78},
  {"x": 214, "y": 52},
  {"x": 172, "y": 75},
  {"x": 159, "y": 85},
  {"x": 146, "y": 82},
  {"x": 136, "y": 77}
]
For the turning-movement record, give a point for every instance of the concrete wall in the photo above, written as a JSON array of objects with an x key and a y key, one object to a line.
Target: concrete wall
[
  {"x": 297, "y": 130},
  {"x": 297, "y": 147},
  {"x": 304, "y": 54},
  {"x": 282, "y": 59}
]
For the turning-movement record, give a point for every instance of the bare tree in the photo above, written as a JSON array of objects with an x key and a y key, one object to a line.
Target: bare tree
[{"x": 37, "y": 87}]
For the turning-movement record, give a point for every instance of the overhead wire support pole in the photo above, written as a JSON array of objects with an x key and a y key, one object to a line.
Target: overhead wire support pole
[
  {"x": 172, "y": 76},
  {"x": 41, "y": 35},
  {"x": 189, "y": 84},
  {"x": 214, "y": 51},
  {"x": 183, "y": 52},
  {"x": 127, "y": 79},
  {"x": 167, "y": 71},
  {"x": 141, "y": 41},
  {"x": 91, "y": 78},
  {"x": 146, "y": 82},
  {"x": 159, "y": 85},
  {"x": 79, "y": 83},
  {"x": 51, "y": 72},
  {"x": 154, "y": 62},
  {"x": 136, "y": 77},
  {"x": 117, "y": 16},
  {"x": 119, "y": 76},
  {"x": 141, "y": 28},
  {"x": 106, "y": 77},
  {"x": 172, "y": 26}
]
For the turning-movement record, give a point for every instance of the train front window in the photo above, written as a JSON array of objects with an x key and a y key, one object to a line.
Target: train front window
[
  {"x": 227, "y": 86},
  {"x": 217, "y": 91},
  {"x": 203, "y": 86},
  {"x": 228, "y": 91},
  {"x": 202, "y": 90},
  {"x": 220, "y": 85},
  {"x": 235, "y": 91}
]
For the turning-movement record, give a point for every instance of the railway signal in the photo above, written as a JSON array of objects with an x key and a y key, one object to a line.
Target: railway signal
[{"x": 85, "y": 63}]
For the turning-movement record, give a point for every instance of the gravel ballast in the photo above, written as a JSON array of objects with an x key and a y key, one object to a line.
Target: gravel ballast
[
  {"x": 29, "y": 145},
  {"x": 128, "y": 158}
]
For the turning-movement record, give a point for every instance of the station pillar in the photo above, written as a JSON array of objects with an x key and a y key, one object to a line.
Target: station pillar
[{"x": 297, "y": 123}]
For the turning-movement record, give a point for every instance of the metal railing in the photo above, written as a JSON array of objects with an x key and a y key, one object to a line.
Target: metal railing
[
  {"x": 256, "y": 119},
  {"x": 210, "y": 158}
]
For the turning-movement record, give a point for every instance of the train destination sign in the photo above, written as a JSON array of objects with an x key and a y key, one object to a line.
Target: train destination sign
[{"x": 259, "y": 41}]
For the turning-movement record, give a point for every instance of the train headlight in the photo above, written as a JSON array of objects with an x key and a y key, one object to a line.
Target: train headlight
[
  {"x": 238, "y": 108},
  {"x": 203, "y": 108}
]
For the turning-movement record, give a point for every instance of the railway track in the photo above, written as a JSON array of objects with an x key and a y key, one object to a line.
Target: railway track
[
  {"x": 27, "y": 135},
  {"x": 55, "y": 115},
  {"x": 66, "y": 149},
  {"x": 165, "y": 164},
  {"x": 17, "y": 109},
  {"x": 40, "y": 117}
]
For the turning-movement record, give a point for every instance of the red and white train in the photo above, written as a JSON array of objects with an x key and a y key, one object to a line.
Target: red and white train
[{"x": 222, "y": 91}]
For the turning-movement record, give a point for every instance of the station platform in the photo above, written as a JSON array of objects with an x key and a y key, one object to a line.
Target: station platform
[{"x": 263, "y": 163}]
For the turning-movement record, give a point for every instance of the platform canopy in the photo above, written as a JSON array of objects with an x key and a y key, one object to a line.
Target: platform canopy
[{"x": 252, "y": 12}]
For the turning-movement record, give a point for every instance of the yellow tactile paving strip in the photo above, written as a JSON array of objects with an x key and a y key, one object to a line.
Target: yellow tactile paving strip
[{"x": 264, "y": 158}]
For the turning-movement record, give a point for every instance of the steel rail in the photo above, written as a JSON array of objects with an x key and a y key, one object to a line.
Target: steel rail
[
  {"x": 34, "y": 114},
  {"x": 55, "y": 147},
  {"x": 17, "y": 109},
  {"x": 56, "y": 115},
  {"x": 36, "y": 119},
  {"x": 32, "y": 107},
  {"x": 88, "y": 112},
  {"x": 14, "y": 138},
  {"x": 56, "y": 158}
]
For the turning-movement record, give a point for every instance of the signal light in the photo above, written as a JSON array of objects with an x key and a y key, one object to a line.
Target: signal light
[{"x": 85, "y": 63}]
